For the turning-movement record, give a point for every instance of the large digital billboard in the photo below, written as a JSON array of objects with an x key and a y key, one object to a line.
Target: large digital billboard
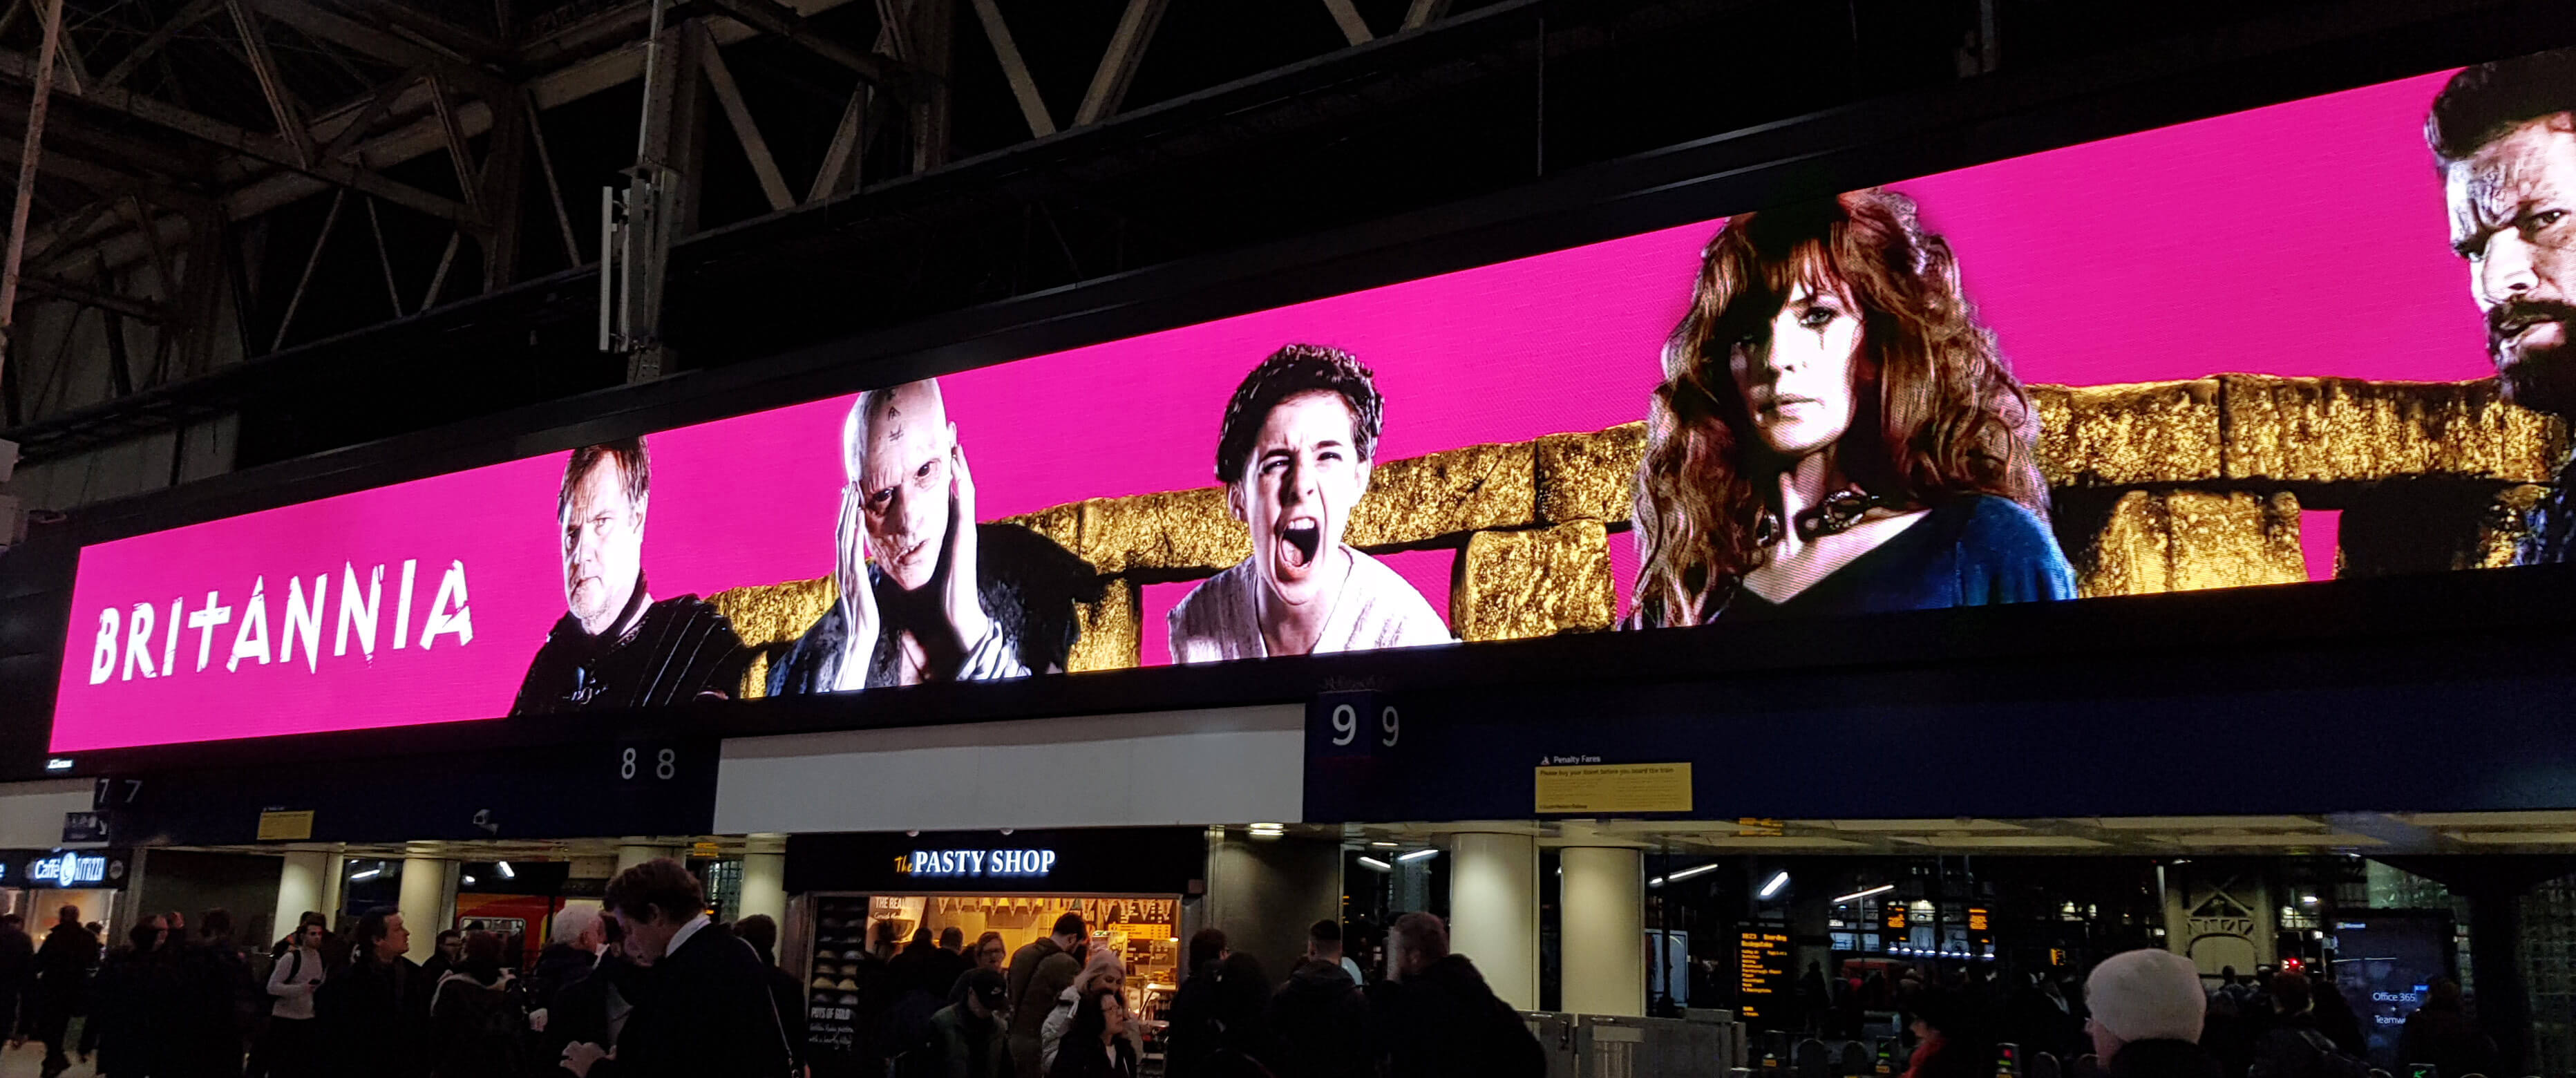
[{"x": 2236, "y": 351}]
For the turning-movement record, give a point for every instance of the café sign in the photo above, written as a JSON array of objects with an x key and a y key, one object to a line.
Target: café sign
[{"x": 955, "y": 864}]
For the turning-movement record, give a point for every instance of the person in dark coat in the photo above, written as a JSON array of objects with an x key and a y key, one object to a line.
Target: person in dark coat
[
  {"x": 761, "y": 931},
  {"x": 17, "y": 969},
  {"x": 137, "y": 1017},
  {"x": 942, "y": 968},
  {"x": 592, "y": 1008},
  {"x": 1434, "y": 1016},
  {"x": 967, "y": 1037},
  {"x": 1949, "y": 1040},
  {"x": 479, "y": 1014},
  {"x": 1097, "y": 1046},
  {"x": 1040, "y": 971},
  {"x": 63, "y": 967},
  {"x": 1191, "y": 1033},
  {"x": 1319, "y": 1018},
  {"x": 2442, "y": 1033},
  {"x": 215, "y": 978},
  {"x": 2148, "y": 1016},
  {"x": 374, "y": 1013},
  {"x": 703, "y": 1007}
]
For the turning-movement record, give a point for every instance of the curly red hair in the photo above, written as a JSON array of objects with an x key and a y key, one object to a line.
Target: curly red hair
[{"x": 1938, "y": 412}]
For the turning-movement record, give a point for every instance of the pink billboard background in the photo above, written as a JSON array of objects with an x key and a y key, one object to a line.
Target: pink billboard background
[{"x": 2302, "y": 239}]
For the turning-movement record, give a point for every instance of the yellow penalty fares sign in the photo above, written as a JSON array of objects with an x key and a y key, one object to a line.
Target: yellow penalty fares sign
[
  {"x": 1602, "y": 788},
  {"x": 280, "y": 826}
]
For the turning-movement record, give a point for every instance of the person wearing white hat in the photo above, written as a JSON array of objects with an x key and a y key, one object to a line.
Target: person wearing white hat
[{"x": 2147, "y": 1008}]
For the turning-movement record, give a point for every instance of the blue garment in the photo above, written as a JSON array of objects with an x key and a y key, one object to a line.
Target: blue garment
[{"x": 1973, "y": 550}]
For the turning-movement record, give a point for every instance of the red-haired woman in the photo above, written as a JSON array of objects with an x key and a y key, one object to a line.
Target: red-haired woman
[{"x": 1835, "y": 433}]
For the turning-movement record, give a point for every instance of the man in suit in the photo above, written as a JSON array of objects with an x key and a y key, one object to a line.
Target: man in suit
[
  {"x": 703, "y": 1004},
  {"x": 1040, "y": 972}
]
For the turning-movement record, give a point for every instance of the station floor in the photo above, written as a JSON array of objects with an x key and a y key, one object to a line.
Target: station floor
[{"x": 29, "y": 1061}]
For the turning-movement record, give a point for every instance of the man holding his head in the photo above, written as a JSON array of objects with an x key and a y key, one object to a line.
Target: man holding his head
[
  {"x": 615, "y": 647},
  {"x": 1294, "y": 453},
  {"x": 705, "y": 1006},
  {"x": 2504, "y": 137},
  {"x": 925, "y": 592}
]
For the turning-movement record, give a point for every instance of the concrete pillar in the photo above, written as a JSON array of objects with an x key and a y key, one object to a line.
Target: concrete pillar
[
  {"x": 1604, "y": 957},
  {"x": 428, "y": 893},
  {"x": 303, "y": 881},
  {"x": 764, "y": 886},
  {"x": 1493, "y": 912},
  {"x": 635, "y": 851},
  {"x": 1264, "y": 893},
  {"x": 333, "y": 881}
]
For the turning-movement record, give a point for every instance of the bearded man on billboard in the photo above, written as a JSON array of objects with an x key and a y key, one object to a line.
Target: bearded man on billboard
[
  {"x": 616, "y": 647},
  {"x": 2504, "y": 136},
  {"x": 925, "y": 592}
]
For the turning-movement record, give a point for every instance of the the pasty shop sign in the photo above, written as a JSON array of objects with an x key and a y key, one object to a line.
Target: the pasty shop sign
[{"x": 967, "y": 863}]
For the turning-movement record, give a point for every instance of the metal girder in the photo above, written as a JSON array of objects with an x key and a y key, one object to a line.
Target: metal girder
[
  {"x": 268, "y": 148},
  {"x": 282, "y": 106},
  {"x": 1118, "y": 63},
  {"x": 407, "y": 20},
  {"x": 196, "y": 12},
  {"x": 1023, "y": 87},
  {"x": 745, "y": 130},
  {"x": 1348, "y": 18},
  {"x": 1425, "y": 12},
  {"x": 771, "y": 17},
  {"x": 90, "y": 296}
]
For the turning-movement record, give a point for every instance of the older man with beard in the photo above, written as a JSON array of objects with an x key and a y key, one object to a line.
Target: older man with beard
[
  {"x": 926, "y": 593},
  {"x": 2504, "y": 136},
  {"x": 616, "y": 647}
]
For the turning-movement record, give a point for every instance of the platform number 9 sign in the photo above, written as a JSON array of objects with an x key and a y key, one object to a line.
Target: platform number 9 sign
[{"x": 1348, "y": 723}]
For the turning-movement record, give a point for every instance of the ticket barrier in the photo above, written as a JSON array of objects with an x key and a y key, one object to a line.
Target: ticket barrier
[{"x": 1704, "y": 1044}]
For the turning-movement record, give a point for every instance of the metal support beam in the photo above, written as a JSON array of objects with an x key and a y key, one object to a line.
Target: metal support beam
[
  {"x": 930, "y": 43},
  {"x": 554, "y": 187},
  {"x": 281, "y": 101},
  {"x": 1032, "y": 106},
  {"x": 1348, "y": 18},
  {"x": 268, "y": 148},
  {"x": 196, "y": 12},
  {"x": 841, "y": 158},
  {"x": 1118, "y": 64},
  {"x": 771, "y": 17},
  {"x": 311, "y": 262},
  {"x": 459, "y": 155},
  {"x": 1425, "y": 12},
  {"x": 502, "y": 187},
  {"x": 91, "y": 296},
  {"x": 745, "y": 129},
  {"x": 13, "y": 261},
  {"x": 384, "y": 257}
]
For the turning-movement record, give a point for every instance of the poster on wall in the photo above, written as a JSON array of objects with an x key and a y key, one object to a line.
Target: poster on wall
[{"x": 2225, "y": 353}]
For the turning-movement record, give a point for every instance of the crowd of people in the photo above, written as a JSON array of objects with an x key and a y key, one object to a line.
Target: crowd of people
[
  {"x": 647, "y": 985},
  {"x": 2140, "y": 1014}
]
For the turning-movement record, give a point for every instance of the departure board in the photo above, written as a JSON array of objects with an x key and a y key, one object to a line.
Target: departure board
[{"x": 1762, "y": 971}]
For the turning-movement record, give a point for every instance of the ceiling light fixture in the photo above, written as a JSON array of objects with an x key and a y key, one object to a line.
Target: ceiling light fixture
[
  {"x": 1865, "y": 893},
  {"x": 1418, "y": 855},
  {"x": 503, "y": 867},
  {"x": 1376, "y": 865},
  {"x": 1778, "y": 882}
]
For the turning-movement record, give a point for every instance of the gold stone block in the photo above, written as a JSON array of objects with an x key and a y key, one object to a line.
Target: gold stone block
[
  {"x": 1513, "y": 585},
  {"x": 2344, "y": 430},
  {"x": 1591, "y": 476},
  {"x": 2126, "y": 435},
  {"x": 768, "y": 615},
  {"x": 1111, "y": 637},
  {"x": 1445, "y": 494},
  {"x": 2187, "y": 540}
]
